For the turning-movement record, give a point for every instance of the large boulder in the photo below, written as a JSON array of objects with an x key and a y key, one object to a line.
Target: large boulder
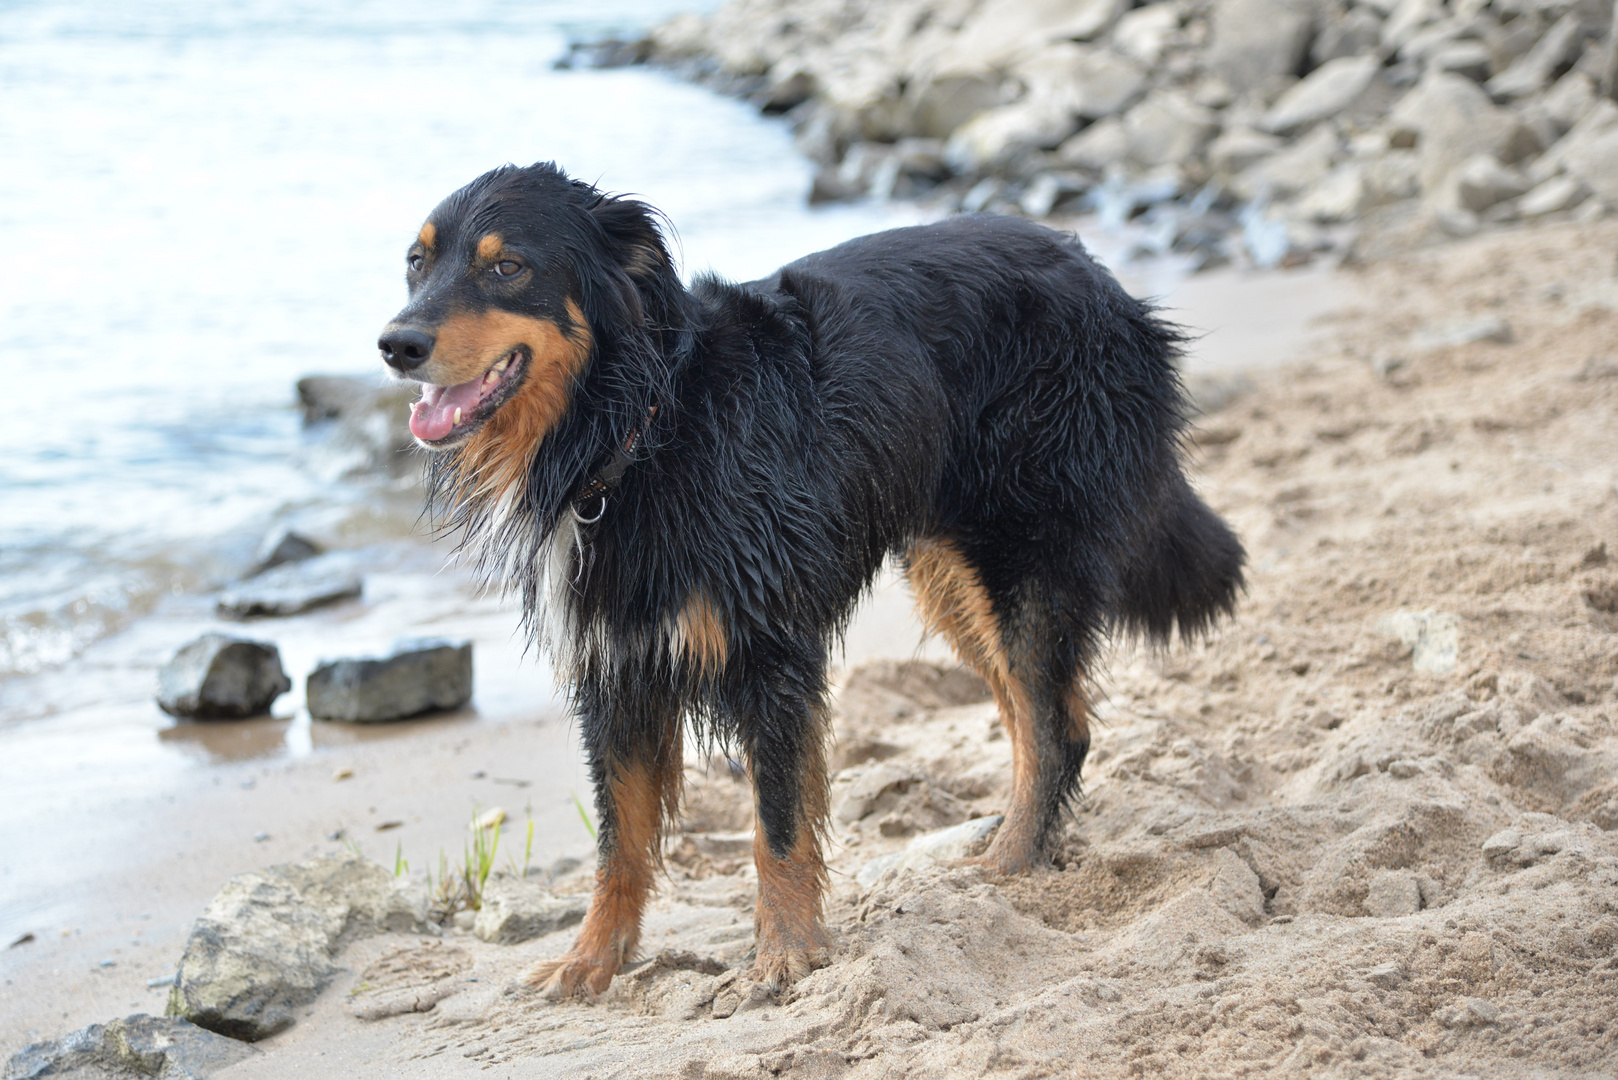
[
  {"x": 416, "y": 677},
  {"x": 263, "y": 948},
  {"x": 164, "y": 1047},
  {"x": 219, "y": 677},
  {"x": 515, "y": 910},
  {"x": 1258, "y": 43}
]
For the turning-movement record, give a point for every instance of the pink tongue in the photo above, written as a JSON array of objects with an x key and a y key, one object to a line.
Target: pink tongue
[{"x": 433, "y": 417}]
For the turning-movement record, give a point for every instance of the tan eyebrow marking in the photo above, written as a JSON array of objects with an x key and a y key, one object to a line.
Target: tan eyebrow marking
[
  {"x": 490, "y": 246},
  {"x": 428, "y": 235}
]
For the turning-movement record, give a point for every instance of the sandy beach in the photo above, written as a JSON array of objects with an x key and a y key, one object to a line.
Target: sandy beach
[{"x": 1363, "y": 831}]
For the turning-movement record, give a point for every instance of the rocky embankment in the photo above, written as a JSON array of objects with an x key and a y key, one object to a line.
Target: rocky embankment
[{"x": 1256, "y": 130}]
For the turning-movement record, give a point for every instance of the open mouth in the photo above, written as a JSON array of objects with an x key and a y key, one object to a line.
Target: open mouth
[{"x": 446, "y": 414}]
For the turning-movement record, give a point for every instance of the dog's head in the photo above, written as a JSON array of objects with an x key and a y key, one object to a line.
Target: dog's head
[{"x": 506, "y": 278}]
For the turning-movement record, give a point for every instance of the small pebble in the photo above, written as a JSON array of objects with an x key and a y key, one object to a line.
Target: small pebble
[
  {"x": 342, "y": 774},
  {"x": 261, "y": 836}
]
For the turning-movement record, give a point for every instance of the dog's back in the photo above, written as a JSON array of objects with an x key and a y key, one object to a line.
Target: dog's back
[{"x": 1033, "y": 398}]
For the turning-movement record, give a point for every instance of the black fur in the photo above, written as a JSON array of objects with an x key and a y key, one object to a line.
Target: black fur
[{"x": 980, "y": 380}]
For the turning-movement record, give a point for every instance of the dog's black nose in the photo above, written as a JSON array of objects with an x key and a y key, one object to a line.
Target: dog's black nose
[{"x": 405, "y": 349}]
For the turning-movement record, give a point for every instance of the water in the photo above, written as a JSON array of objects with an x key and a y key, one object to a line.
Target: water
[{"x": 200, "y": 202}]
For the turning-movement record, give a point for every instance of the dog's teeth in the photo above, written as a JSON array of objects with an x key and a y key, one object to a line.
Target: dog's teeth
[
  {"x": 493, "y": 376},
  {"x": 457, "y": 419}
]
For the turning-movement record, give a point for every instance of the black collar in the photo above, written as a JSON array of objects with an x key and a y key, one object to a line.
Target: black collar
[{"x": 591, "y": 500}]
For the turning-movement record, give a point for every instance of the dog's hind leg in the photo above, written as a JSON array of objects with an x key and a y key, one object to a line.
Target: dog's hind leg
[
  {"x": 637, "y": 780},
  {"x": 783, "y": 726},
  {"x": 1038, "y": 689}
]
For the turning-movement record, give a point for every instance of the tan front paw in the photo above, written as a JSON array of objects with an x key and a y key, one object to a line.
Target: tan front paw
[
  {"x": 576, "y": 975},
  {"x": 776, "y": 971}
]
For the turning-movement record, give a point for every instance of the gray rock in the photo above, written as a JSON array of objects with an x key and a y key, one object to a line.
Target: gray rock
[
  {"x": 330, "y": 397},
  {"x": 1451, "y": 119},
  {"x": 370, "y": 422},
  {"x": 1553, "y": 196},
  {"x": 1470, "y": 59},
  {"x": 515, "y": 910},
  {"x": 1339, "y": 196},
  {"x": 937, "y": 106},
  {"x": 870, "y": 785},
  {"x": 1482, "y": 182},
  {"x": 991, "y": 138},
  {"x": 218, "y": 677},
  {"x": 1098, "y": 146},
  {"x": 167, "y": 1048},
  {"x": 1534, "y": 69},
  {"x": 293, "y": 588},
  {"x": 284, "y": 546},
  {"x": 1000, "y": 32},
  {"x": 1257, "y": 43},
  {"x": 1236, "y": 888},
  {"x": 263, "y": 948},
  {"x": 1355, "y": 32},
  {"x": 418, "y": 676},
  {"x": 1167, "y": 128},
  {"x": 1570, "y": 100},
  {"x": 1142, "y": 34},
  {"x": 1297, "y": 168},
  {"x": 1238, "y": 149},
  {"x": 1104, "y": 83},
  {"x": 1594, "y": 160},
  {"x": 1330, "y": 89},
  {"x": 1407, "y": 19},
  {"x": 930, "y": 849}
]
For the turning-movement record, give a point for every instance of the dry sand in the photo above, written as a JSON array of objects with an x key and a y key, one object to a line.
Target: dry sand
[{"x": 1298, "y": 853}]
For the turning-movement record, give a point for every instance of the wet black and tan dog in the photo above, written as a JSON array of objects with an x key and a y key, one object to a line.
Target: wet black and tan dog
[{"x": 692, "y": 488}]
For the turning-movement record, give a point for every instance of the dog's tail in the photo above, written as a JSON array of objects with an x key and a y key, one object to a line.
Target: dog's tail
[{"x": 1186, "y": 570}]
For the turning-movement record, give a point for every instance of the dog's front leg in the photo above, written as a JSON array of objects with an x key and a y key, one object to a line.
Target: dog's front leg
[{"x": 636, "y": 793}]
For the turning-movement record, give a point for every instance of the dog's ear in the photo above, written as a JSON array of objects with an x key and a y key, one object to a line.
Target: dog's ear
[{"x": 637, "y": 242}]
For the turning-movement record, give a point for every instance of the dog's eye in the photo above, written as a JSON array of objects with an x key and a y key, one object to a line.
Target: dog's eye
[
  {"x": 508, "y": 267},
  {"x": 415, "y": 261}
]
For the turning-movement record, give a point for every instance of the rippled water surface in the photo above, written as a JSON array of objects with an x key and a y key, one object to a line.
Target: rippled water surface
[{"x": 202, "y": 201}]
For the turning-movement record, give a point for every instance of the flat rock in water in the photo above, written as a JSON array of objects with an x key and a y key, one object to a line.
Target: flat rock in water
[
  {"x": 139, "y": 1045},
  {"x": 517, "y": 910},
  {"x": 219, "y": 677},
  {"x": 293, "y": 588},
  {"x": 263, "y": 948},
  {"x": 417, "y": 677}
]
